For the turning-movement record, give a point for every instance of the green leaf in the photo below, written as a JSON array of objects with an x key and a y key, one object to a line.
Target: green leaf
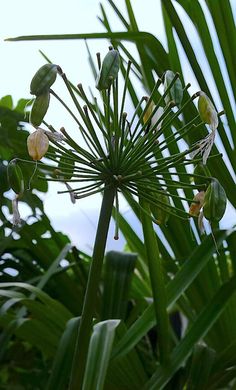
[
  {"x": 55, "y": 306},
  {"x": 201, "y": 365},
  {"x": 175, "y": 288},
  {"x": 119, "y": 268},
  {"x": 127, "y": 371},
  {"x": 99, "y": 354},
  {"x": 7, "y": 102},
  {"x": 63, "y": 360},
  {"x": 197, "y": 331}
]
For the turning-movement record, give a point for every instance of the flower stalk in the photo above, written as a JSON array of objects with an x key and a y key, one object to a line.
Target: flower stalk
[{"x": 85, "y": 325}]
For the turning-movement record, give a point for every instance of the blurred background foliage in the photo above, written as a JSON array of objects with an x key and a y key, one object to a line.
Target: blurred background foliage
[{"x": 44, "y": 277}]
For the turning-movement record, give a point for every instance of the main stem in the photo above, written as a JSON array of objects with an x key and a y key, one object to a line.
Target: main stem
[
  {"x": 85, "y": 327},
  {"x": 157, "y": 282}
]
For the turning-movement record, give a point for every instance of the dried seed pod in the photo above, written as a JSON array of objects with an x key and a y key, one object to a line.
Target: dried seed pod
[
  {"x": 195, "y": 208},
  {"x": 176, "y": 91},
  {"x": 37, "y": 144},
  {"x": 109, "y": 70},
  {"x": 160, "y": 212},
  {"x": 15, "y": 177},
  {"x": 39, "y": 109},
  {"x": 43, "y": 79},
  {"x": 214, "y": 202},
  {"x": 207, "y": 111}
]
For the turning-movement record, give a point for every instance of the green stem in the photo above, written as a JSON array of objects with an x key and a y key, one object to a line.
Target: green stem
[
  {"x": 85, "y": 327},
  {"x": 157, "y": 281}
]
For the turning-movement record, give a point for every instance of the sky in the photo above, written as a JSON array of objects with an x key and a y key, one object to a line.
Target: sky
[{"x": 20, "y": 60}]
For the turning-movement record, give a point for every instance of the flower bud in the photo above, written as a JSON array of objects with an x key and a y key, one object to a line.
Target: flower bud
[
  {"x": 109, "y": 70},
  {"x": 39, "y": 109},
  {"x": 176, "y": 91},
  {"x": 214, "y": 202},
  {"x": 195, "y": 208},
  {"x": 15, "y": 177},
  {"x": 207, "y": 111},
  {"x": 37, "y": 144},
  {"x": 43, "y": 79}
]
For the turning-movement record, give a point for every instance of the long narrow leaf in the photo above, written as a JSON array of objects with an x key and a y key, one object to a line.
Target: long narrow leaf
[
  {"x": 99, "y": 353},
  {"x": 176, "y": 287},
  {"x": 199, "y": 329},
  {"x": 59, "y": 377}
]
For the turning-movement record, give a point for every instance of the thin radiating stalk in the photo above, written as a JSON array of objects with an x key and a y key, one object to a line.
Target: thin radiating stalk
[
  {"x": 85, "y": 327},
  {"x": 157, "y": 282}
]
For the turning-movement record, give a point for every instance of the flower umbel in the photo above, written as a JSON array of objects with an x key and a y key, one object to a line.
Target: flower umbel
[
  {"x": 131, "y": 155},
  {"x": 125, "y": 154}
]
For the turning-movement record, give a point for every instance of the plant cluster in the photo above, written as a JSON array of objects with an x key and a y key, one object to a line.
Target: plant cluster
[{"x": 115, "y": 321}]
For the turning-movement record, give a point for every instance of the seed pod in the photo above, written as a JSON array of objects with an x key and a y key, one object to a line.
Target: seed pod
[
  {"x": 43, "y": 79},
  {"x": 214, "y": 202},
  {"x": 160, "y": 212},
  {"x": 195, "y": 208},
  {"x": 176, "y": 91},
  {"x": 37, "y": 144},
  {"x": 207, "y": 111},
  {"x": 39, "y": 109},
  {"x": 15, "y": 177},
  {"x": 148, "y": 113},
  {"x": 109, "y": 70}
]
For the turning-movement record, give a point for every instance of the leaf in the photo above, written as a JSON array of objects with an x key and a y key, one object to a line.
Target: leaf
[
  {"x": 119, "y": 268},
  {"x": 7, "y": 102},
  {"x": 197, "y": 331},
  {"x": 201, "y": 365},
  {"x": 99, "y": 353},
  {"x": 63, "y": 359},
  {"x": 174, "y": 289},
  {"x": 55, "y": 306}
]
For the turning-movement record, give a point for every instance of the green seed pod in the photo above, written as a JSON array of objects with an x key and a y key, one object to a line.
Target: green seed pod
[
  {"x": 39, "y": 109},
  {"x": 207, "y": 111},
  {"x": 201, "y": 170},
  {"x": 176, "y": 91},
  {"x": 109, "y": 70},
  {"x": 159, "y": 211},
  {"x": 15, "y": 177},
  {"x": 43, "y": 79},
  {"x": 214, "y": 202}
]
